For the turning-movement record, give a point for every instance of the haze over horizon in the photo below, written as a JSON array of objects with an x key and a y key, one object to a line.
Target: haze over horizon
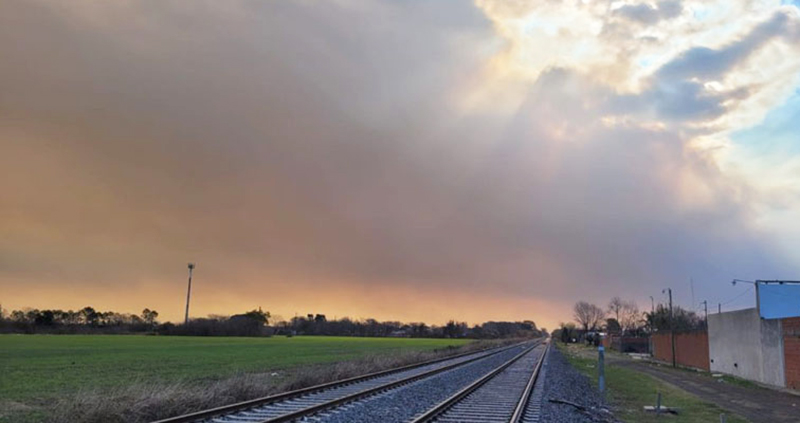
[{"x": 413, "y": 161}]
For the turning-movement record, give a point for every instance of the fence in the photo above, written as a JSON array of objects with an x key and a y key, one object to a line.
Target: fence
[{"x": 691, "y": 348}]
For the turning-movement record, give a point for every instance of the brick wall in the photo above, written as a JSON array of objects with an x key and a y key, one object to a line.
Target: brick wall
[
  {"x": 691, "y": 348},
  {"x": 791, "y": 351}
]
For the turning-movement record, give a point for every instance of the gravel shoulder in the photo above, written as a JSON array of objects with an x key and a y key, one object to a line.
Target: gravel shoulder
[{"x": 569, "y": 396}]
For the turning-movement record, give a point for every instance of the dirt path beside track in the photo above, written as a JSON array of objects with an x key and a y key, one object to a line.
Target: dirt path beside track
[{"x": 753, "y": 403}]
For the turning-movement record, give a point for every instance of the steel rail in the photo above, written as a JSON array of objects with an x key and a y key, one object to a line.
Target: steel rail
[
  {"x": 371, "y": 391},
  {"x": 244, "y": 405},
  {"x": 519, "y": 411},
  {"x": 445, "y": 405}
]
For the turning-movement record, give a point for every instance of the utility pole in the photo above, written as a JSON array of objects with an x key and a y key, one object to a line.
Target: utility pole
[
  {"x": 601, "y": 376},
  {"x": 705, "y": 308},
  {"x": 671, "y": 327},
  {"x": 188, "y": 293},
  {"x": 719, "y": 308},
  {"x": 652, "y": 305}
]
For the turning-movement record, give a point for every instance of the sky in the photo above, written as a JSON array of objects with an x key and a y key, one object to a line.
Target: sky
[{"x": 412, "y": 161}]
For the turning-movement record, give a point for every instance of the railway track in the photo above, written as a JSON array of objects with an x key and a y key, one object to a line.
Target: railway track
[
  {"x": 313, "y": 401},
  {"x": 504, "y": 395}
]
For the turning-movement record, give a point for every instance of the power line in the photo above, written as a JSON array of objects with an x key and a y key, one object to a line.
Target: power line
[{"x": 738, "y": 296}]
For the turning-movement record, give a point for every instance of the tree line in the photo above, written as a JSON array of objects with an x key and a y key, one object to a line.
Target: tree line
[
  {"x": 623, "y": 318},
  {"x": 318, "y": 324},
  {"x": 252, "y": 323},
  {"x": 85, "y": 320}
]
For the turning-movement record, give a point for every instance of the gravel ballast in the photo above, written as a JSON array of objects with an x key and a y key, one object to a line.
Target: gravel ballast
[
  {"x": 569, "y": 396},
  {"x": 402, "y": 404}
]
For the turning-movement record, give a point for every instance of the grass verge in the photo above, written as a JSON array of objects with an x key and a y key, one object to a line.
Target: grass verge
[{"x": 629, "y": 391}]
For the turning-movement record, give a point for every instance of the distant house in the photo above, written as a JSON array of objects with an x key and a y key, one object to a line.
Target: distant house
[{"x": 400, "y": 333}]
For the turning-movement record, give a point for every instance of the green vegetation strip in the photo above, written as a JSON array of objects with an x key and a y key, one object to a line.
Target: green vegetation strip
[
  {"x": 629, "y": 391},
  {"x": 39, "y": 368}
]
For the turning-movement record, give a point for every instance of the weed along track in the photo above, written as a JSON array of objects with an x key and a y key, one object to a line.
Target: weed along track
[{"x": 420, "y": 393}]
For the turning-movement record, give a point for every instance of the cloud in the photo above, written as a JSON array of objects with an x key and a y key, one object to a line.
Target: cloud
[
  {"x": 710, "y": 64},
  {"x": 648, "y": 14},
  {"x": 365, "y": 157}
]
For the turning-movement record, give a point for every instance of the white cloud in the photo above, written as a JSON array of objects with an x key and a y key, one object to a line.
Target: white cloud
[{"x": 708, "y": 68}]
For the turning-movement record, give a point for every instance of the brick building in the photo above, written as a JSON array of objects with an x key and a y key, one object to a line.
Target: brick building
[
  {"x": 791, "y": 351},
  {"x": 740, "y": 343}
]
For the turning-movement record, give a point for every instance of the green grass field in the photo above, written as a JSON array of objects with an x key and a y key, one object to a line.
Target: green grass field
[
  {"x": 629, "y": 391},
  {"x": 35, "y": 368}
]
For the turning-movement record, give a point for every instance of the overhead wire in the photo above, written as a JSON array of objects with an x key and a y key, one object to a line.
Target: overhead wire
[{"x": 737, "y": 296}]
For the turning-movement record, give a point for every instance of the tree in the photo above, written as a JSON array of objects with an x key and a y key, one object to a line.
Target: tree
[
  {"x": 626, "y": 313},
  {"x": 89, "y": 316},
  {"x": 259, "y": 316},
  {"x": 565, "y": 332},
  {"x": 149, "y": 316},
  {"x": 19, "y": 316},
  {"x": 72, "y": 317},
  {"x": 589, "y": 316},
  {"x": 419, "y": 329},
  {"x": 682, "y": 320},
  {"x": 454, "y": 329},
  {"x": 45, "y": 318},
  {"x": 615, "y": 307},
  {"x": 631, "y": 318},
  {"x": 613, "y": 326}
]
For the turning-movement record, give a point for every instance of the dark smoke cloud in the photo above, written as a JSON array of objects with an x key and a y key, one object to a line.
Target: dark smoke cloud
[{"x": 321, "y": 144}]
